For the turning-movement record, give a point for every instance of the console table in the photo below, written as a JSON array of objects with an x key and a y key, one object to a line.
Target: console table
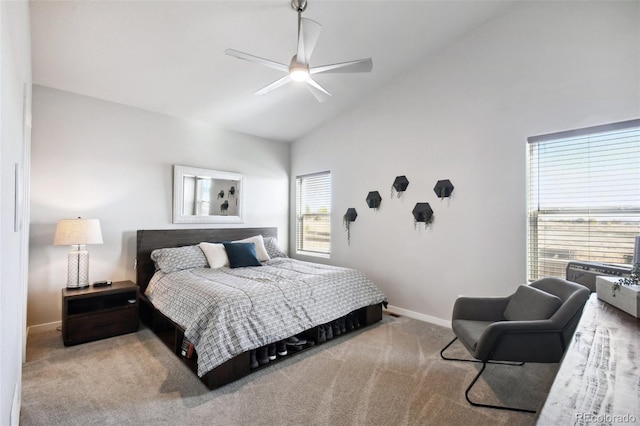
[{"x": 599, "y": 378}]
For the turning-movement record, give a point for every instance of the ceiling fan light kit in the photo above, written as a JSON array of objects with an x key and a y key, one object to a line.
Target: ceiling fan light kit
[{"x": 299, "y": 69}]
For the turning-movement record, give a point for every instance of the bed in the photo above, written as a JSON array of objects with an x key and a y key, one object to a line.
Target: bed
[{"x": 226, "y": 313}]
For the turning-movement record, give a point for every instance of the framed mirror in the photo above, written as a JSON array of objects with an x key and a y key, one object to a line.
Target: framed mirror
[{"x": 206, "y": 196}]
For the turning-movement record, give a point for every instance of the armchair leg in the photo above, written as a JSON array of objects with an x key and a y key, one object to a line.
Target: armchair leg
[
  {"x": 519, "y": 364},
  {"x": 499, "y": 407},
  {"x": 475, "y": 379},
  {"x": 454, "y": 359}
]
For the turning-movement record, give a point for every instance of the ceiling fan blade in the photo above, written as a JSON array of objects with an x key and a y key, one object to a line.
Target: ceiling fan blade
[
  {"x": 308, "y": 34},
  {"x": 361, "y": 65},
  {"x": 318, "y": 91},
  {"x": 272, "y": 86},
  {"x": 257, "y": 60}
]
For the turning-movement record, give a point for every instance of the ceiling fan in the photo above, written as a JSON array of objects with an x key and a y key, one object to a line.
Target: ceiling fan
[{"x": 299, "y": 69}]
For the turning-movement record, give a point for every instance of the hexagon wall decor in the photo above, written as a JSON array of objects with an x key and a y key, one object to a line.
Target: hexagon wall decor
[
  {"x": 443, "y": 188},
  {"x": 349, "y": 216},
  {"x": 422, "y": 212},
  {"x": 374, "y": 199},
  {"x": 399, "y": 186}
]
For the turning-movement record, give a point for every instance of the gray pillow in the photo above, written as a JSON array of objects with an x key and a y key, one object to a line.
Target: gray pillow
[
  {"x": 179, "y": 258},
  {"x": 273, "y": 249},
  {"x": 529, "y": 303}
]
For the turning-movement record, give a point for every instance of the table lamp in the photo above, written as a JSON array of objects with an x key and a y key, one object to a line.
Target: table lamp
[{"x": 78, "y": 232}]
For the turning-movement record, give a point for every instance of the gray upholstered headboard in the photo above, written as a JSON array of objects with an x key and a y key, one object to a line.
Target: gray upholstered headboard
[{"x": 149, "y": 240}]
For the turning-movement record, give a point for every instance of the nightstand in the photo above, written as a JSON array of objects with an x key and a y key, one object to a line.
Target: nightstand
[{"x": 98, "y": 312}]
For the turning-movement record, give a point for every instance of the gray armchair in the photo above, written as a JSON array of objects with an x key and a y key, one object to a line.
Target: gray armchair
[{"x": 535, "y": 324}]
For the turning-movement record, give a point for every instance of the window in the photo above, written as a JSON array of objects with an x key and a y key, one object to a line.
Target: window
[
  {"x": 313, "y": 214},
  {"x": 584, "y": 197}
]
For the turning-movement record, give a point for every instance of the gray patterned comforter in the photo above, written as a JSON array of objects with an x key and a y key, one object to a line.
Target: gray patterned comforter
[{"x": 229, "y": 311}]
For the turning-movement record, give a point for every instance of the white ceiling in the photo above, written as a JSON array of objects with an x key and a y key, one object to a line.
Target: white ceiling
[{"x": 168, "y": 56}]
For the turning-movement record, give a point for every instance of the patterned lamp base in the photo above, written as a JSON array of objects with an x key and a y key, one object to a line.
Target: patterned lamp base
[{"x": 78, "y": 272}]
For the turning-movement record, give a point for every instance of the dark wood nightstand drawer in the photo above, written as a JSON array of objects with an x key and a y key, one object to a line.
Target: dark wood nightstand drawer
[{"x": 84, "y": 328}]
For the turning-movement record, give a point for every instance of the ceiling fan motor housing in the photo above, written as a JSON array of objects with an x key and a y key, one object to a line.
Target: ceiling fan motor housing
[{"x": 299, "y": 5}]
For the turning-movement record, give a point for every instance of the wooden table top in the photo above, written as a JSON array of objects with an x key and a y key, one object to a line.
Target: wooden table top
[{"x": 598, "y": 381}]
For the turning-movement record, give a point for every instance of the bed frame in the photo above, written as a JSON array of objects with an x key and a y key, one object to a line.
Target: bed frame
[{"x": 172, "y": 334}]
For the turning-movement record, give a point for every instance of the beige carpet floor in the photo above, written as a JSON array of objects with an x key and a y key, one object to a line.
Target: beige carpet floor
[{"x": 388, "y": 374}]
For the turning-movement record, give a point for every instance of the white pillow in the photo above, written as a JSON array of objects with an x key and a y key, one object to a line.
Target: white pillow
[
  {"x": 261, "y": 251},
  {"x": 215, "y": 254}
]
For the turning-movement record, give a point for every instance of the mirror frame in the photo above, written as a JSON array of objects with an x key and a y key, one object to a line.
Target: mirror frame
[{"x": 179, "y": 172}]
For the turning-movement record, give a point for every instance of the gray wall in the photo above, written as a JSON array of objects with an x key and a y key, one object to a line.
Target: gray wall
[
  {"x": 102, "y": 160},
  {"x": 15, "y": 112},
  {"x": 464, "y": 115}
]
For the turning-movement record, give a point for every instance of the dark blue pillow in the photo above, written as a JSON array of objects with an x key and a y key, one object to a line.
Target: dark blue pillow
[{"x": 241, "y": 254}]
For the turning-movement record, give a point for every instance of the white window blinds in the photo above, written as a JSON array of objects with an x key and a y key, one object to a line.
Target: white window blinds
[
  {"x": 584, "y": 197},
  {"x": 313, "y": 214}
]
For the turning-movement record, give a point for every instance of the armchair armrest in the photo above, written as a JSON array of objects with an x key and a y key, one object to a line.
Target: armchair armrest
[
  {"x": 480, "y": 308},
  {"x": 528, "y": 341}
]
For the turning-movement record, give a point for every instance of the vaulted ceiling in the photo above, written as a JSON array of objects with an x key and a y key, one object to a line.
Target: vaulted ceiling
[{"x": 168, "y": 56}]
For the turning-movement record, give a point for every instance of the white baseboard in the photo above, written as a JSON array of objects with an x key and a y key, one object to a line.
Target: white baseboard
[
  {"x": 418, "y": 316},
  {"x": 38, "y": 328}
]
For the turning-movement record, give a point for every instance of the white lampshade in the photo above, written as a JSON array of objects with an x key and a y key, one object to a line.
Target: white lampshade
[{"x": 78, "y": 232}]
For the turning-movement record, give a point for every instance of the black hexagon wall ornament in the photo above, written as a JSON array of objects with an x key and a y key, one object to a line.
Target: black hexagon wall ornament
[
  {"x": 349, "y": 216},
  {"x": 374, "y": 199},
  {"x": 399, "y": 186},
  {"x": 422, "y": 212},
  {"x": 443, "y": 188}
]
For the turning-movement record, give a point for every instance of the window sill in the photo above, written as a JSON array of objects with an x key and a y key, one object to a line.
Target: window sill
[{"x": 312, "y": 257}]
